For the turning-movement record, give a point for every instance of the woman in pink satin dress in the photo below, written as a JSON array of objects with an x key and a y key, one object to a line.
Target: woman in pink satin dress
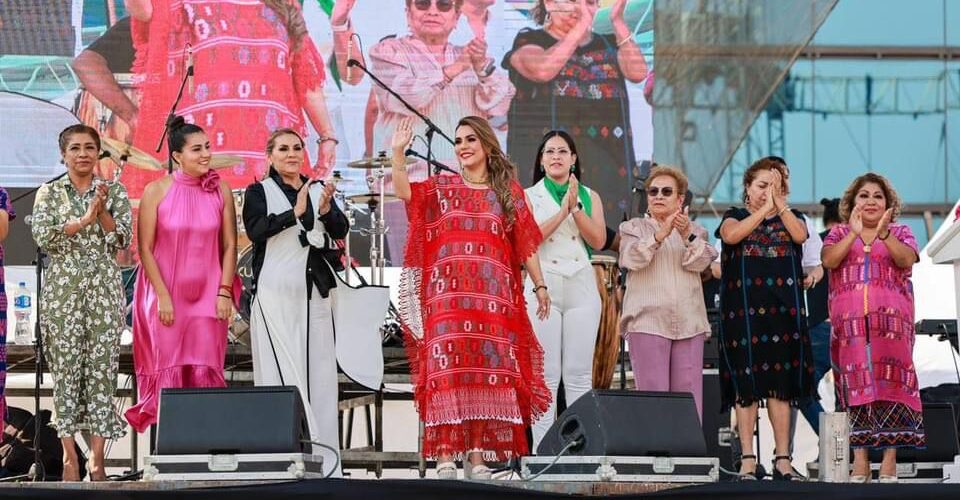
[{"x": 186, "y": 286}]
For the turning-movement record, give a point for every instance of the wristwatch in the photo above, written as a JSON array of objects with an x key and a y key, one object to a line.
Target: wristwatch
[
  {"x": 691, "y": 238},
  {"x": 579, "y": 208}
]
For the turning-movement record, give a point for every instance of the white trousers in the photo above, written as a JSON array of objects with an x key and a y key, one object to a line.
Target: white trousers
[
  {"x": 568, "y": 338},
  {"x": 282, "y": 355}
]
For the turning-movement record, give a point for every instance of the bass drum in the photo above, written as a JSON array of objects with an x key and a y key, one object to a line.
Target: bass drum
[{"x": 240, "y": 327}]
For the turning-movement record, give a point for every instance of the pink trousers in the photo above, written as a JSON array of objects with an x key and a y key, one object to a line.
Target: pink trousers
[{"x": 661, "y": 364}]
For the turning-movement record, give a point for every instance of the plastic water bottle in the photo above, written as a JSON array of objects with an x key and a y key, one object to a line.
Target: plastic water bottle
[{"x": 22, "y": 311}]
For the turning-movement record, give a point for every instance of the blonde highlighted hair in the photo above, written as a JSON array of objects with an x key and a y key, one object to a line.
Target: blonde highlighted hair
[
  {"x": 500, "y": 172},
  {"x": 292, "y": 18}
]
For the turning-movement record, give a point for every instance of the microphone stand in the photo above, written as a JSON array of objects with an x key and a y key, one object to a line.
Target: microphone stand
[
  {"x": 431, "y": 127},
  {"x": 172, "y": 116},
  {"x": 37, "y": 472},
  {"x": 437, "y": 166},
  {"x": 34, "y": 190}
]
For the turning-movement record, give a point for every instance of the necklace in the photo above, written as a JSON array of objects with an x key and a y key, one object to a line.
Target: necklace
[{"x": 471, "y": 181}]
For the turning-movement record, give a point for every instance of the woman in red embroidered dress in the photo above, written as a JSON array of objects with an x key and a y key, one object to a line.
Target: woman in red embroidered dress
[
  {"x": 477, "y": 366},
  {"x": 256, "y": 70}
]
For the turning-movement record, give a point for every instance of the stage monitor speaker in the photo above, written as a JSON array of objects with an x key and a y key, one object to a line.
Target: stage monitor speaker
[
  {"x": 231, "y": 420},
  {"x": 628, "y": 423}
]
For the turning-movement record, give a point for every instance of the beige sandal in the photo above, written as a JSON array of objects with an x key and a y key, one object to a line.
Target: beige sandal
[
  {"x": 446, "y": 470},
  {"x": 478, "y": 472}
]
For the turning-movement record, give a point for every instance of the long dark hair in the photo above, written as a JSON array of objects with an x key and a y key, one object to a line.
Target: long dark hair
[
  {"x": 539, "y": 13},
  {"x": 538, "y": 172},
  {"x": 178, "y": 132},
  {"x": 499, "y": 169}
]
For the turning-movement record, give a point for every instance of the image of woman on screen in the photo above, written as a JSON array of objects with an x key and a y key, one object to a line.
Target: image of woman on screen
[{"x": 568, "y": 77}]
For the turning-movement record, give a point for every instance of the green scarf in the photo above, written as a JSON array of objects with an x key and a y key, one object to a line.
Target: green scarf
[{"x": 558, "y": 191}]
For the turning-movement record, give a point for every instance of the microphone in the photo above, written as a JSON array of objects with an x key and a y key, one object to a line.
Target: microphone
[
  {"x": 488, "y": 67},
  {"x": 349, "y": 58},
  {"x": 353, "y": 62},
  {"x": 104, "y": 154},
  {"x": 190, "y": 69}
]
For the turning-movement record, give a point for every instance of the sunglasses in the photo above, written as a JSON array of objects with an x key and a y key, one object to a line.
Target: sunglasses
[
  {"x": 654, "y": 191},
  {"x": 442, "y": 5}
]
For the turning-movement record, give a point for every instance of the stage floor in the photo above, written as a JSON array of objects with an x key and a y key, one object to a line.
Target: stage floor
[{"x": 447, "y": 490}]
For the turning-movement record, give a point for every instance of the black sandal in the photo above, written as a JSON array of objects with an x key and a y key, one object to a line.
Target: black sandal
[
  {"x": 757, "y": 474},
  {"x": 793, "y": 475}
]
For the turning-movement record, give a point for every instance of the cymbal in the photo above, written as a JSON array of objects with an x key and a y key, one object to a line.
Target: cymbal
[
  {"x": 377, "y": 162},
  {"x": 371, "y": 198},
  {"x": 120, "y": 151},
  {"x": 340, "y": 180},
  {"x": 218, "y": 161}
]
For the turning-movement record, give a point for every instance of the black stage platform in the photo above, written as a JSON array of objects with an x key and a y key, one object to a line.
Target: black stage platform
[{"x": 406, "y": 489}]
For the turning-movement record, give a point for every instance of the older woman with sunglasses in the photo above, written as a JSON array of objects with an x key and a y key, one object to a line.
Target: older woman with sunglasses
[
  {"x": 444, "y": 80},
  {"x": 664, "y": 317}
]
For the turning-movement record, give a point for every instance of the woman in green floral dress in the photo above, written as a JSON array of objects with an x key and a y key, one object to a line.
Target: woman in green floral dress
[{"x": 81, "y": 222}]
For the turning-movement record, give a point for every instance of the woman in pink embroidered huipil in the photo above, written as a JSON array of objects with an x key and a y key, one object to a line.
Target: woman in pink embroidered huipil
[{"x": 871, "y": 309}]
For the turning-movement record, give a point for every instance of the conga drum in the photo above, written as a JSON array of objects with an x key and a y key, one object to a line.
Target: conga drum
[{"x": 608, "y": 336}]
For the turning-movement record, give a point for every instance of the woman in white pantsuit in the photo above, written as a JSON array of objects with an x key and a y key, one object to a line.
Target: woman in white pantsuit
[
  {"x": 570, "y": 216},
  {"x": 292, "y": 223}
]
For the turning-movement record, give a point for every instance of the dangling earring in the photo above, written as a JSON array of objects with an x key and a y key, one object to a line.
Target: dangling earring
[{"x": 546, "y": 18}]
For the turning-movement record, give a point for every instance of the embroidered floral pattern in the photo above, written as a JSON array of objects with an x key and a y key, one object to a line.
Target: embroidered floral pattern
[
  {"x": 83, "y": 303},
  {"x": 476, "y": 365},
  {"x": 764, "y": 341}
]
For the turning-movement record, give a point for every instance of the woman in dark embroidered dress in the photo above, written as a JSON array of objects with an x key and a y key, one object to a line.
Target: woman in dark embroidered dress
[
  {"x": 569, "y": 78},
  {"x": 764, "y": 343}
]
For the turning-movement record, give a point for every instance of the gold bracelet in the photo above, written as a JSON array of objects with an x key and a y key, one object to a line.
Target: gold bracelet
[
  {"x": 784, "y": 209},
  {"x": 623, "y": 42}
]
